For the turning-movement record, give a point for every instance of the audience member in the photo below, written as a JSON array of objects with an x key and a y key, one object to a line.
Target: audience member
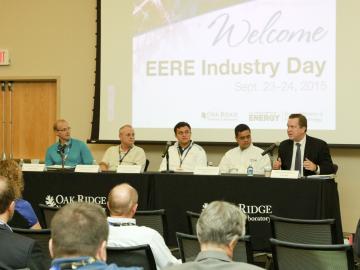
[
  {"x": 126, "y": 153},
  {"x": 122, "y": 205},
  {"x": 71, "y": 150},
  {"x": 239, "y": 158},
  {"x": 301, "y": 152},
  {"x": 16, "y": 251},
  {"x": 219, "y": 227},
  {"x": 25, "y": 214},
  {"x": 184, "y": 155},
  {"x": 78, "y": 238}
]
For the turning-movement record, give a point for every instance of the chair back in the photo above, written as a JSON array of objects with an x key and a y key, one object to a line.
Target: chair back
[
  {"x": 42, "y": 237},
  {"x": 47, "y": 213},
  {"x": 243, "y": 250},
  {"x": 132, "y": 256},
  {"x": 18, "y": 221},
  {"x": 155, "y": 219},
  {"x": 357, "y": 241},
  {"x": 295, "y": 256},
  {"x": 189, "y": 246},
  {"x": 321, "y": 232},
  {"x": 335, "y": 168},
  {"x": 147, "y": 162},
  {"x": 192, "y": 219}
]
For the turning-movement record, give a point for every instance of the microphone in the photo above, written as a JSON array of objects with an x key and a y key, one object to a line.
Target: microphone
[
  {"x": 61, "y": 148},
  {"x": 270, "y": 148},
  {"x": 168, "y": 144}
]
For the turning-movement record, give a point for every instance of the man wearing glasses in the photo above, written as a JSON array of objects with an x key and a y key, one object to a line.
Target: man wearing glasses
[
  {"x": 238, "y": 159},
  {"x": 68, "y": 150},
  {"x": 127, "y": 153},
  {"x": 184, "y": 155}
]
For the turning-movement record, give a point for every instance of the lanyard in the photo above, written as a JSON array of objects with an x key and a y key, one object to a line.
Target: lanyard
[
  {"x": 122, "y": 158},
  {"x": 121, "y": 224},
  {"x": 186, "y": 151},
  {"x": 67, "y": 150},
  {"x": 73, "y": 265}
]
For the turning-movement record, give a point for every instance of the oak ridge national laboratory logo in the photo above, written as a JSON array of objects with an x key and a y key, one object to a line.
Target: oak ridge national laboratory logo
[
  {"x": 60, "y": 200},
  {"x": 254, "y": 213},
  {"x": 49, "y": 201}
]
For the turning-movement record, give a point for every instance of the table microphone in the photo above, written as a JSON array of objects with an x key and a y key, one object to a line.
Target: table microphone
[{"x": 270, "y": 148}]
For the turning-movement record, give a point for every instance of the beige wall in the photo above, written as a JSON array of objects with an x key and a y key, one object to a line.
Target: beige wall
[{"x": 56, "y": 38}]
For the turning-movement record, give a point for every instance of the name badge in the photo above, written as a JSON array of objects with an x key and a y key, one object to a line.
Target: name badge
[{"x": 87, "y": 168}]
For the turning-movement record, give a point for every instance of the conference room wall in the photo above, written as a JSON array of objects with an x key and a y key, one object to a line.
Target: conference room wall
[{"x": 51, "y": 38}]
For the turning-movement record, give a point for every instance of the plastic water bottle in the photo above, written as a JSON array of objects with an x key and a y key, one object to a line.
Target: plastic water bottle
[
  {"x": 250, "y": 170},
  {"x": 21, "y": 162}
]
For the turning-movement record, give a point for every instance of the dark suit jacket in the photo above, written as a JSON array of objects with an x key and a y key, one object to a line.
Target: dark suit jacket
[
  {"x": 316, "y": 150},
  {"x": 18, "y": 251}
]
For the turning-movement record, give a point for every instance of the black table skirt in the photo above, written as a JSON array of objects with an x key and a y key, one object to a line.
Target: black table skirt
[{"x": 177, "y": 193}]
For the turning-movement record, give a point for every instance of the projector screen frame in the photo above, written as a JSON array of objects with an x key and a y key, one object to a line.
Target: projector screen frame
[{"x": 94, "y": 138}]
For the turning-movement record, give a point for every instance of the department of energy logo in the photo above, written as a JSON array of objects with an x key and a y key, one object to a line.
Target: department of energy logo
[{"x": 60, "y": 200}]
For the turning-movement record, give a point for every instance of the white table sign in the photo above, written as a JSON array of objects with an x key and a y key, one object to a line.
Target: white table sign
[
  {"x": 87, "y": 168},
  {"x": 284, "y": 174},
  {"x": 128, "y": 169},
  {"x": 207, "y": 170}
]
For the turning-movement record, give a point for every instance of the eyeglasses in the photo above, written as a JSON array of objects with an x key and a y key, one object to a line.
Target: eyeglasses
[{"x": 64, "y": 129}]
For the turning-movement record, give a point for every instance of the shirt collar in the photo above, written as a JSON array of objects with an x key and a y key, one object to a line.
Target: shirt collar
[
  {"x": 69, "y": 142},
  {"x": 246, "y": 149},
  {"x": 204, "y": 255},
  {"x": 5, "y": 225},
  {"x": 121, "y": 220},
  {"x": 302, "y": 142}
]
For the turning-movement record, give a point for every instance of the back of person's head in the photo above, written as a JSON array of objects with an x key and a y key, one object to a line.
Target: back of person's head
[
  {"x": 7, "y": 194},
  {"x": 122, "y": 200},
  {"x": 78, "y": 229},
  {"x": 220, "y": 223},
  {"x": 241, "y": 128},
  {"x": 180, "y": 125},
  {"x": 12, "y": 171}
]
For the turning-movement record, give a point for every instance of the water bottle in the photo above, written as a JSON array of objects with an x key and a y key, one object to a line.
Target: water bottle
[
  {"x": 21, "y": 162},
  {"x": 250, "y": 170}
]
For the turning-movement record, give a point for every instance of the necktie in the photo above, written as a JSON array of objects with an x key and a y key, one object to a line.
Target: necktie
[{"x": 298, "y": 158}]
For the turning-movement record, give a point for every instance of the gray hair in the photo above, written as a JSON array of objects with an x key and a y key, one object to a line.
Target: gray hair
[{"x": 220, "y": 223}]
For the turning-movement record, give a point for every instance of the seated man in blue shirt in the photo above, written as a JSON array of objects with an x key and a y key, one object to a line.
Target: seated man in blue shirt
[
  {"x": 78, "y": 238},
  {"x": 73, "y": 151}
]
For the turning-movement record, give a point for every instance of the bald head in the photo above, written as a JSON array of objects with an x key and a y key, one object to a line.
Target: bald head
[{"x": 123, "y": 201}]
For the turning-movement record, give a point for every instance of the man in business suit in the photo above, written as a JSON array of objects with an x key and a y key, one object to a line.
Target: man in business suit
[
  {"x": 218, "y": 229},
  {"x": 301, "y": 152},
  {"x": 17, "y": 251}
]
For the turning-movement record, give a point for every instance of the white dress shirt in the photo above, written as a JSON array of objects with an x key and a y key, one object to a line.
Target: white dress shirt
[
  {"x": 239, "y": 160},
  {"x": 194, "y": 155},
  {"x": 133, "y": 235}
]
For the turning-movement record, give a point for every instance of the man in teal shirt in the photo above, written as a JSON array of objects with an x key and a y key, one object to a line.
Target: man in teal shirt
[{"x": 73, "y": 151}]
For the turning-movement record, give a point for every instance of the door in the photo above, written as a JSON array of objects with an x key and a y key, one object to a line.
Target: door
[{"x": 28, "y": 111}]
